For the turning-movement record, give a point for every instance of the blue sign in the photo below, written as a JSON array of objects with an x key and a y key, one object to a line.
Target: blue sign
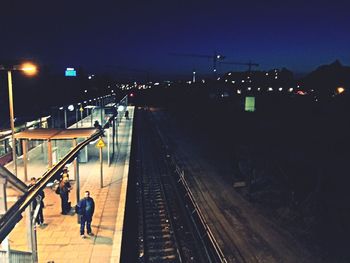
[{"x": 70, "y": 72}]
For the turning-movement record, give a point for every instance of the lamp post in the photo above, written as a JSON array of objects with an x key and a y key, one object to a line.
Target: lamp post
[{"x": 29, "y": 69}]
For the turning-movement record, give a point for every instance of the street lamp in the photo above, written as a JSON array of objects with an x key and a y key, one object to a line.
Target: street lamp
[{"x": 30, "y": 70}]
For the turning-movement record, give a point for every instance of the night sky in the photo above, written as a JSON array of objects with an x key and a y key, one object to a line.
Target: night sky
[{"x": 299, "y": 35}]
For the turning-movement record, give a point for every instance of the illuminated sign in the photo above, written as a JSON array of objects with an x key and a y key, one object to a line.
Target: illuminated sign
[
  {"x": 250, "y": 104},
  {"x": 70, "y": 72}
]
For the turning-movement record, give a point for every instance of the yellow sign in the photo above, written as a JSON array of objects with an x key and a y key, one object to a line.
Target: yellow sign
[
  {"x": 100, "y": 144},
  {"x": 81, "y": 109}
]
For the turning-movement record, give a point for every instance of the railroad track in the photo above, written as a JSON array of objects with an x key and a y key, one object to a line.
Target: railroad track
[
  {"x": 165, "y": 234},
  {"x": 238, "y": 243}
]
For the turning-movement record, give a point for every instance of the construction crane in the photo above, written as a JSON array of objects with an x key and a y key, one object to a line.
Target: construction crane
[
  {"x": 215, "y": 57},
  {"x": 249, "y": 64}
]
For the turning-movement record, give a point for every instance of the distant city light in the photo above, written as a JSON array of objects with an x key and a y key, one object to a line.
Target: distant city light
[
  {"x": 70, "y": 107},
  {"x": 340, "y": 90},
  {"x": 270, "y": 89},
  {"x": 239, "y": 91},
  {"x": 290, "y": 89},
  {"x": 280, "y": 89}
]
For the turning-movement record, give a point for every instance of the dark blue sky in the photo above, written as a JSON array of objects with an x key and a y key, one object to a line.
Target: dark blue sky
[{"x": 299, "y": 35}]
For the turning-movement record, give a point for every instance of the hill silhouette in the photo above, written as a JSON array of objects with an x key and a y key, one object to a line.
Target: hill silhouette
[{"x": 326, "y": 78}]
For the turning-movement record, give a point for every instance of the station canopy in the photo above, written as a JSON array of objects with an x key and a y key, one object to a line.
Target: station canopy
[{"x": 55, "y": 134}]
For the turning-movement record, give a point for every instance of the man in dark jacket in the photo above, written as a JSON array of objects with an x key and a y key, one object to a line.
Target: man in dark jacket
[
  {"x": 38, "y": 200},
  {"x": 86, "y": 208},
  {"x": 65, "y": 188}
]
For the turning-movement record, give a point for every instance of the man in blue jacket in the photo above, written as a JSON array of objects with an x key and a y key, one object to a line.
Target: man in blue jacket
[{"x": 86, "y": 208}]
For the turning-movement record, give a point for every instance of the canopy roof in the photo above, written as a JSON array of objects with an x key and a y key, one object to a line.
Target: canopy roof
[{"x": 55, "y": 134}]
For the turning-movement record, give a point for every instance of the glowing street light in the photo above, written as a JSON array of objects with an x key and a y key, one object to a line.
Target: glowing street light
[
  {"x": 340, "y": 90},
  {"x": 30, "y": 70}
]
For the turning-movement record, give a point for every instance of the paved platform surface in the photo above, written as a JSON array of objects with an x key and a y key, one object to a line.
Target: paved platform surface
[{"x": 59, "y": 239}]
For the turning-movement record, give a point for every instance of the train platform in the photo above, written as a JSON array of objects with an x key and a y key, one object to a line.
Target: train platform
[{"x": 59, "y": 240}]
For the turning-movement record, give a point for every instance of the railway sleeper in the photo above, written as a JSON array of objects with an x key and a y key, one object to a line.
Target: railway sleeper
[
  {"x": 165, "y": 237},
  {"x": 158, "y": 232},
  {"x": 161, "y": 245},
  {"x": 170, "y": 250},
  {"x": 153, "y": 226},
  {"x": 154, "y": 216}
]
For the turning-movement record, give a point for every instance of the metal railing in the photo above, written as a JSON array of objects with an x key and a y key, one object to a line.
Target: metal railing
[{"x": 15, "y": 256}]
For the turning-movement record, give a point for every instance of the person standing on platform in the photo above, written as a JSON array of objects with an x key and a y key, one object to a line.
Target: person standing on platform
[
  {"x": 97, "y": 126},
  {"x": 38, "y": 200},
  {"x": 85, "y": 208},
  {"x": 65, "y": 188}
]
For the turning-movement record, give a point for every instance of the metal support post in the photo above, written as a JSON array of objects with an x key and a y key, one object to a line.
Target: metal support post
[
  {"x": 3, "y": 208},
  {"x": 25, "y": 158},
  {"x": 74, "y": 176},
  {"x": 65, "y": 118},
  {"x": 101, "y": 108},
  {"x": 108, "y": 146},
  {"x": 101, "y": 166},
  {"x": 81, "y": 116},
  {"x": 92, "y": 113},
  {"x": 116, "y": 135},
  {"x": 76, "y": 117},
  {"x": 77, "y": 178},
  {"x": 31, "y": 233},
  {"x": 49, "y": 153},
  {"x": 12, "y": 122},
  {"x": 113, "y": 136},
  {"x": 59, "y": 118}
]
